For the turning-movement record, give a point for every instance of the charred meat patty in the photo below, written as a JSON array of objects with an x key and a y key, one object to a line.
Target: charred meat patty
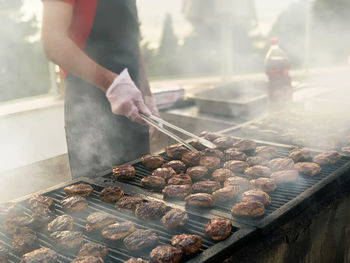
[
  {"x": 99, "y": 220},
  {"x": 111, "y": 194},
  {"x": 24, "y": 240},
  {"x": 150, "y": 210},
  {"x": 152, "y": 161},
  {"x": 180, "y": 179},
  {"x": 93, "y": 249},
  {"x": 124, "y": 171},
  {"x": 79, "y": 189},
  {"x": 257, "y": 160},
  {"x": 213, "y": 152},
  {"x": 165, "y": 254},
  {"x": 67, "y": 239},
  {"x": 218, "y": 229},
  {"x": 190, "y": 244},
  {"x": 244, "y": 145},
  {"x": 74, "y": 203},
  {"x": 200, "y": 199},
  {"x": 128, "y": 203},
  {"x": 152, "y": 181},
  {"x": 222, "y": 174},
  {"x": 61, "y": 223},
  {"x": 250, "y": 208},
  {"x": 236, "y": 166},
  {"x": 280, "y": 164},
  {"x": 118, "y": 231},
  {"x": 191, "y": 158},
  {"x": 177, "y": 191},
  {"x": 234, "y": 154},
  {"x": 197, "y": 172},
  {"x": 165, "y": 173},
  {"x": 206, "y": 186},
  {"x": 300, "y": 155},
  {"x": 225, "y": 193},
  {"x": 88, "y": 259},
  {"x": 285, "y": 176},
  {"x": 240, "y": 182},
  {"x": 256, "y": 195},
  {"x": 175, "y": 151},
  {"x": 264, "y": 184},
  {"x": 141, "y": 239},
  {"x": 266, "y": 152},
  {"x": 324, "y": 158},
  {"x": 308, "y": 168},
  {"x": 257, "y": 171},
  {"x": 41, "y": 255},
  {"x": 211, "y": 162},
  {"x": 174, "y": 218},
  {"x": 224, "y": 142},
  {"x": 178, "y": 166}
]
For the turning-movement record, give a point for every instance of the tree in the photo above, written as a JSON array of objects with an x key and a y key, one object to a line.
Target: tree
[{"x": 23, "y": 66}]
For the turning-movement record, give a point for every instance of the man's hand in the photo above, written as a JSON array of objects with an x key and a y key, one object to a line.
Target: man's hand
[{"x": 126, "y": 99}]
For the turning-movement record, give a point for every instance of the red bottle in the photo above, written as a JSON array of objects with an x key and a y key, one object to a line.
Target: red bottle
[{"x": 280, "y": 92}]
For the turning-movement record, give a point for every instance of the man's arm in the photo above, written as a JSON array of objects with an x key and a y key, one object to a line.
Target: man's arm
[{"x": 64, "y": 52}]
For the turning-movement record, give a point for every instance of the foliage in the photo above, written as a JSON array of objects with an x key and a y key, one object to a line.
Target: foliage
[{"x": 23, "y": 66}]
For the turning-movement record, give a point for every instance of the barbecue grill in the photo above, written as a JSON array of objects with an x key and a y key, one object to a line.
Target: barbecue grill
[
  {"x": 117, "y": 251},
  {"x": 284, "y": 198}
]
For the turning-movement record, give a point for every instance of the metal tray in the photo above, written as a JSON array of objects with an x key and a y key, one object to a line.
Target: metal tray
[{"x": 244, "y": 98}]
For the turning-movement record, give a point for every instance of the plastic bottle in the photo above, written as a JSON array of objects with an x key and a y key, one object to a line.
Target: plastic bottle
[{"x": 280, "y": 91}]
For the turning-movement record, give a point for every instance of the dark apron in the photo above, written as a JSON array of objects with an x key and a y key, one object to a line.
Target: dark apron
[{"x": 97, "y": 139}]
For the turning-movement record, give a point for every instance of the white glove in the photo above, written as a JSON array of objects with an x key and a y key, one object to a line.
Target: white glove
[
  {"x": 151, "y": 104},
  {"x": 126, "y": 99}
]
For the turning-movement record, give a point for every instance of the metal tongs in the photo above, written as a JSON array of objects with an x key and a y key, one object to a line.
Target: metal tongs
[{"x": 159, "y": 124}]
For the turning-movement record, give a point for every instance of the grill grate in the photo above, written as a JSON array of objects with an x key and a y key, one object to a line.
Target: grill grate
[
  {"x": 280, "y": 197},
  {"x": 117, "y": 251}
]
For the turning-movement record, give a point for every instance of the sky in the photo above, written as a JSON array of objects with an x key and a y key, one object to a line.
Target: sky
[{"x": 152, "y": 14}]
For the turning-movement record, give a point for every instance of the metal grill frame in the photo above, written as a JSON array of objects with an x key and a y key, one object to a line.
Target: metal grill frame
[{"x": 213, "y": 253}]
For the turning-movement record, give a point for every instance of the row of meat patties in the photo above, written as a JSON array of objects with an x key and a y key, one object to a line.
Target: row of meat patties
[
  {"x": 63, "y": 236},
  {"x": 237, "y": 171}
]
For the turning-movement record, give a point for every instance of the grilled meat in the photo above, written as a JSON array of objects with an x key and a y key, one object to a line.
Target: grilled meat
[
  {"x": 225, "y": 193},
  {"x": 250, "y": 208},
  {"x": 74, "y": 203},
  {"x": 79, "y": 189},
  {"x": 150, "y": 210},
  {"x": 308, "y": 168},
  {"x": 88, "y": 259},
  {"x": 4, "y": 254},
  {"x": 257, "y": 160},
  {"x": 41, "y": 255},
  {"x": 9, "y": 209},
  {"x": 141, "y": 239},
  {"x": 40, "y": 202},
  {"x": 300, "y": 155},
  {"x": 165, "y": 254},
  {"x": 285, "y": 176},
  {"x": 12, "y": 224},
  {"x": 180, "y": 179},
  {"x": 244, "y": 145},
  {"x": 190, "y": 244},
  {"x": 222, "y": 174},
  {"x": 67, "y": 239},
  {"x": 206, "y": 186},
  {"x": 236, "y": 166},
  {"x": 264, "y": 184},
  {"x": 128, "y": 203},
  {"x": 197, "y": 172},
  {"x": 197, "y": 145},
  {"x": 256, "y": 195},
  {"x": 327, "y": 158},
  {"x": 224, "y": 142},
  {"x": 240, "y": 182},
  {"x": 191, "y": 158},
  {"x": 118, "y": 231},
  {"x": 61, "y": 223},
  {"x": 280, "y": 164},
  {"x": 99, "y": 220},
  {"x": 257, "y": 171},
  {"x": 93, "y": 249},
  {"x": 178, "y": 166},
  {"x": 213, "y": 152},
  {"x": 41, "y": 216},
  {"x": 233, "y": 154},
  {"x": 152, "y": 161},
  {"x": 152, "y": 181},
  {"x": 210, "y": 136},
  {"x": 175, "y": 151},
  {"x": 200, "y": 199},
  {"x": 174, "y": 218},
  {"x": 124, "y": 171},
  {"x": 137, "y": 260},
  {"x": 266, "y": 152},
  {"x": 345, "y": 149},
  {"x": 165, "y": 173},
  {"x": 218, "y": 228},
  {"x": 24, "y": 240},
  {"x": 111, "y": 193},
  {"x": 211, "y": 162},
  {"x": 176, "y": 191}
]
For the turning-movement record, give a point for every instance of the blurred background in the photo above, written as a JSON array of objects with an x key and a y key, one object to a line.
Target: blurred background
[{"x": 181, "y": 42}]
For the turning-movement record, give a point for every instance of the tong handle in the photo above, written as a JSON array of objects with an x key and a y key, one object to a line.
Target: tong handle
[
  {"x": 165, "y": 131},
  {"x": 201, "y": 140}
]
